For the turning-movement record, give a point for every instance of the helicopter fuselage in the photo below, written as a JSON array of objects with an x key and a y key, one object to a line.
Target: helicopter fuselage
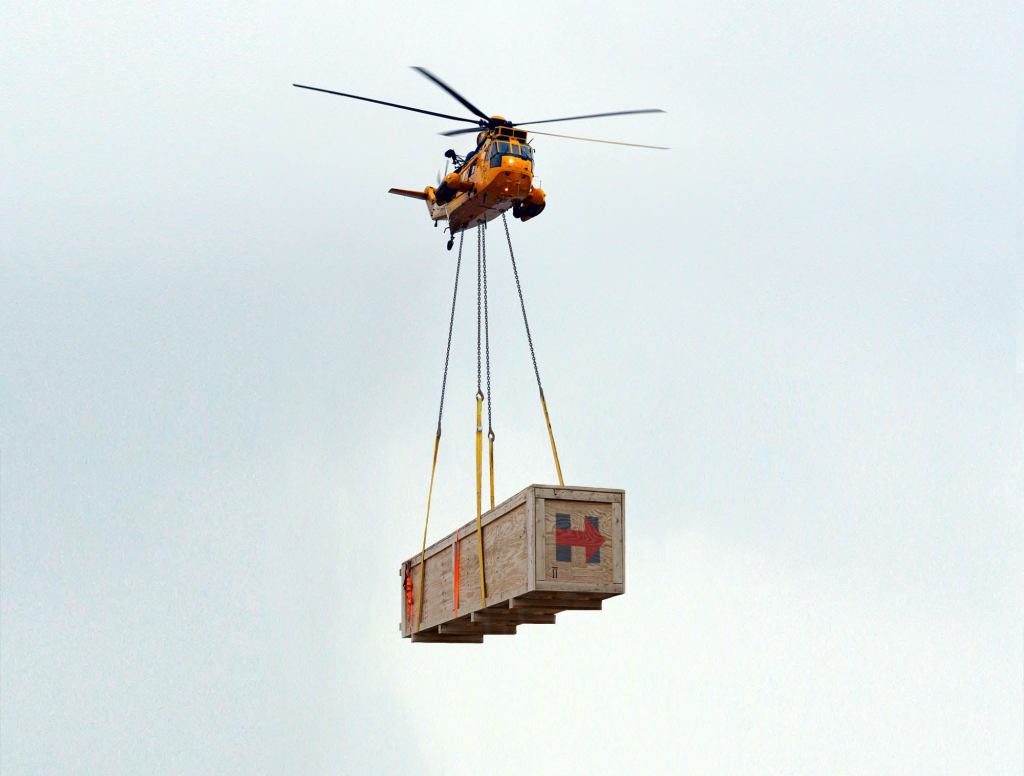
[
  {"x": 495, "y": 177},
  {"x": 498, "y": 175}
]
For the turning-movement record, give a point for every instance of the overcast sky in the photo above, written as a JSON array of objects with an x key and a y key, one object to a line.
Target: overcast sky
[{"x": 791, "y": 339}]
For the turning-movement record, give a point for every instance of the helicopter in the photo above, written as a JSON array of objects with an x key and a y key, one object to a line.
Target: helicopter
[{"x": 495, "y": 176}]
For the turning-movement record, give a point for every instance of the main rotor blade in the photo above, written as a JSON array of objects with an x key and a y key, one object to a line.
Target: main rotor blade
[
  {"x": 454, "y": 132},
  {"x": 464, "y": 102},
  {"x": 595, "y": 140},
  {"x": 591, "y": 116},
  {"x": 389, "y": 104}
]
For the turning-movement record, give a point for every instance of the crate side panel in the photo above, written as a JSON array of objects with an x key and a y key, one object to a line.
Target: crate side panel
[
  {"x": 444, "y": 544},
  {"x": 505, "y": 557}
]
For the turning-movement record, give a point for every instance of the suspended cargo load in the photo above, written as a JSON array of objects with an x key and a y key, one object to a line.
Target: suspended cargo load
[{"x": 546, "y": 550}]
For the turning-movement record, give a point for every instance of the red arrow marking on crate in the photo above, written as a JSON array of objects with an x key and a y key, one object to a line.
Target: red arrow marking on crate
[{"x": 589, "y": 538}]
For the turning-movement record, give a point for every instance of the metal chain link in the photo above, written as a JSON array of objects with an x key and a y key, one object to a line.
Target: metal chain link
[
  {"x": 487, "y": 337},
  {"x": 533, "y": 356},
  {"x": 451, "y": 325},
  {"x": 479, "y": 249},
  {"x": 522, "y": 304}
]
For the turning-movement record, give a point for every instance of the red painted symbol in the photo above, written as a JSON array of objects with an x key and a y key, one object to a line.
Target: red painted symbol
[{"x": 589, "y": 538}]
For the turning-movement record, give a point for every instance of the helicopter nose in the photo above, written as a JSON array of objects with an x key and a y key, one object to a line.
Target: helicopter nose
[
  {"x": 516, "y": 164},
  {"x": 515, "y": 178}
]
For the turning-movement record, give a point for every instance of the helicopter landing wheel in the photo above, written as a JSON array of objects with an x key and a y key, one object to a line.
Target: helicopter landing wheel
[{"x": 451, "y": 243}]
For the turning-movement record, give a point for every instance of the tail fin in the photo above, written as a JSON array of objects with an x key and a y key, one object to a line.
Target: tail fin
[{"x": 407, "y": 193}]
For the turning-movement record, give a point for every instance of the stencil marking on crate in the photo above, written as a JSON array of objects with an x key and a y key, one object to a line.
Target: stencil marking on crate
[{"x": 590, "y": 538}]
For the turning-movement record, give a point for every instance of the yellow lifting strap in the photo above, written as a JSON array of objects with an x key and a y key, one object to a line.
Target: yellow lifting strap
[
  {"x": 426, "y": 522},
  {"x": 490, "y": 458},
  {"x": 479, "y": 494},
  {"x": 551, "y": 436}
]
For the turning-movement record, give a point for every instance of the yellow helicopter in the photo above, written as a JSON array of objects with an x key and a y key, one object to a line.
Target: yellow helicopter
[{"x": 496, "y": 175}]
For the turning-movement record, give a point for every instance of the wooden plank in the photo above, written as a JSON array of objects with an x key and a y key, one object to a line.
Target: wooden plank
[
  {"x": 480, "y": 628},
  {"x": 577, "y": 489},
  {"x": 555, "y": 603},
  {"x": 531, "y": 538},
  {"x": 438, "y": 638},
  {"x": 550, "y": 595},
  {"x": 612, "y": 589},
  {"x": 403, "y": 623},
  {"x": 466, "y": 625},
  {"x": 540, "y": 567},
  {"x": 580, "y": 494},
  {"x": 618, "y": 559},
  {"x": 519, "y": 617},
  {"x": 622, "y": 542}
]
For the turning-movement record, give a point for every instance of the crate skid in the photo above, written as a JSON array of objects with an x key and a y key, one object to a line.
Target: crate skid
[
  {"x": 433, "y": 637},
  {"x": 466, "y": 626}
]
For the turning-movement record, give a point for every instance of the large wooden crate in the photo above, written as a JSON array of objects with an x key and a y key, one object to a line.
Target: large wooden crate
[{"x": 547, "y": 549}]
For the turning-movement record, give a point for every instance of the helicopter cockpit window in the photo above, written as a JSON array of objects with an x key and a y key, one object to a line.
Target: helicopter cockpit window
[{"x": 499, "y": 148}]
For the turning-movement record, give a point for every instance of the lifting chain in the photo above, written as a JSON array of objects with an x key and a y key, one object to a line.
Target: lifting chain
[
  {"x": 533, "y": 355},
  {"x": 437, "y": 437},
  {"x": 479, "y": 418},
  {"x": 487, "y": 367}
]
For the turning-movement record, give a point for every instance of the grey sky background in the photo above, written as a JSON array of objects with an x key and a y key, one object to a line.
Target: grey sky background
[{"x": 791, "y": 339}]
